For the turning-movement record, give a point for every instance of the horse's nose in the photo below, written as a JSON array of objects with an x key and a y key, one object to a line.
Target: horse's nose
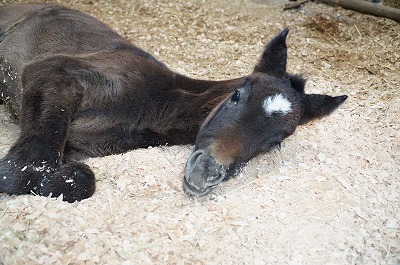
[
  {"x": 199, "y": 183},
  {"x": 193, "y": 159},
  {"x": 202, "y": 173}
]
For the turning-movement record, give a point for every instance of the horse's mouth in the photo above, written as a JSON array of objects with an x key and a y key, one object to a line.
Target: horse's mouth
[{"x": 191, "y": 190}]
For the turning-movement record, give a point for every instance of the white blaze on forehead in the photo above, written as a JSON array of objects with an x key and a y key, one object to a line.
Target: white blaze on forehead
[{"x": 277, "y": 103}]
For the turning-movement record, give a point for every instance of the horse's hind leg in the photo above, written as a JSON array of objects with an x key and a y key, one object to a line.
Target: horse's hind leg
[{"x": 34, "y": 163}]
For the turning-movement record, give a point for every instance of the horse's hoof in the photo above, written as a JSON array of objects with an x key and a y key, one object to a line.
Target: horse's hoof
[{"x": 75, "y": 181}]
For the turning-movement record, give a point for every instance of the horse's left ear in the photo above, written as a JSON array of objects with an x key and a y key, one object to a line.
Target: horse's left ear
[
  {"x": 316, "y": 106},
  {"x": 274, "y": 56}
]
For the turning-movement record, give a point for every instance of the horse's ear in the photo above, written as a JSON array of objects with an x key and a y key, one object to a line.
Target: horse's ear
[
  {"x": 298, "y": 83},
  {"x": 274, "y": 57},
  {"x": 317, "y": 106}
]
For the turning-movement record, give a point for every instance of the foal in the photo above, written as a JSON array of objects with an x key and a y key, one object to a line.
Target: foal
[{"x": 78, "y": 89}]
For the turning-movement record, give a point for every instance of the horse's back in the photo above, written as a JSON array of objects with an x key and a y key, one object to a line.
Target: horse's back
[
  {"x": 33, "y": 32},
  {"x": 39, "y": 30},
  {"x": 11, "y": 14}
]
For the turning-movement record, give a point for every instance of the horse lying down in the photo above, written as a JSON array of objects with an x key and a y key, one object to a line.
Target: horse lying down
[{"x": 78, "y": 89}]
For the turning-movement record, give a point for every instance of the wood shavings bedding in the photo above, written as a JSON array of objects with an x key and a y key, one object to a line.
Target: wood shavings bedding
[{"x": 330, "y": 196}]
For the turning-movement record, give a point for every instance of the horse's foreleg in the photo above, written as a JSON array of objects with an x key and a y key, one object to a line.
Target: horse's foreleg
[{"x": 50, "y": 99}]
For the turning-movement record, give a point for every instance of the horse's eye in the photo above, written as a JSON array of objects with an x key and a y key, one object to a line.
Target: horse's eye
[
  {"x": 276, "y": 144},
  {"x": 236, "y": 96}
]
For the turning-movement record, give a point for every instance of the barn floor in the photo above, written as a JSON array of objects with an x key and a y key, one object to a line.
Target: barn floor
[{"x": 329, "y": 196}]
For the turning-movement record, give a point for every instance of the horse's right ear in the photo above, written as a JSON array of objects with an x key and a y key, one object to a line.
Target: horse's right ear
[
  {"x": 274, "y": 56},
  {"x": 316, "y": 106}
]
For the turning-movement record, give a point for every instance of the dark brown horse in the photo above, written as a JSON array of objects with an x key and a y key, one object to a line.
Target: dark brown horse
[{"x": 79, "y": 89}]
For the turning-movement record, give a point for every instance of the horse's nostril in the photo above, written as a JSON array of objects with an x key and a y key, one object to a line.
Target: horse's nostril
[
  {"x": 212, "y": 178},
  {"x": 191, "y": 163},
  {"x": 216, "y": 179}
]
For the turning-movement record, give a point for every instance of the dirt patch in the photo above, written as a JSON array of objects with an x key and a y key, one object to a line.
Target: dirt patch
[
  {"x": 392, "y": 3},
  {"x": 331, "y": 195}
]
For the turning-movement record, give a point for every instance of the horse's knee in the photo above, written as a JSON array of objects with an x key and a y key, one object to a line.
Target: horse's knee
[{"x": 74, "y": 180}]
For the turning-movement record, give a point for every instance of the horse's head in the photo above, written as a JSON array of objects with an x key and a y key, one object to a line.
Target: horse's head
[{"x": 256, "y": 117}]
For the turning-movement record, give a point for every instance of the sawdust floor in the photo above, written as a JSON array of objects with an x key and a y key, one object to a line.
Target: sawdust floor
[{"x": 330, "y": 196}]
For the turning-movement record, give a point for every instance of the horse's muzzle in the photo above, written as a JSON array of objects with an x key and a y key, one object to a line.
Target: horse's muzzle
[{"x": 202, "y": 173}]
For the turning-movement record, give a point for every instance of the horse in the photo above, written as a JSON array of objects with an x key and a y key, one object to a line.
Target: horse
[{"x": 78, "y": 89}]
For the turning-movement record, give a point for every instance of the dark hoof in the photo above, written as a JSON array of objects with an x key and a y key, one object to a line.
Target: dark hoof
[
  {"x": 17, "y": 179},
  {"x": 74, "y": 180}
]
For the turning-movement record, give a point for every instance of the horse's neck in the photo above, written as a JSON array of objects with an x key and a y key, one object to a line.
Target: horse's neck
[
  {"x": 206, "y": 93},
  {"x": 190, "y": 102}
]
